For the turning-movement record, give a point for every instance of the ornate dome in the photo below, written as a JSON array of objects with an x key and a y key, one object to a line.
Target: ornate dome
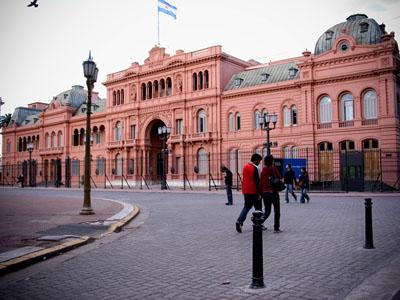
[{"x": 364, "y": 30}]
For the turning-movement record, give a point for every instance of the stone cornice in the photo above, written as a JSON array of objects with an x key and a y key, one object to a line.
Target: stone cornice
[
  {"x": 175, "y": 66},
  {"x": 347, "y": 59},
  {"x": 299, "y": 84},
  {"x": 260, "y": 90}
]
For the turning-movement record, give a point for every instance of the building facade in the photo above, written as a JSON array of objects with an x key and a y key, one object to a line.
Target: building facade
[{"x": 337, "y": 110}]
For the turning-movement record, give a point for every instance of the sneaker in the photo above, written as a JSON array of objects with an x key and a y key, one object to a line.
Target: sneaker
[
  {"x": 238, "y": 227},
  {"x": 263, "y": 227},
  {"x": 277, "y": 231}
]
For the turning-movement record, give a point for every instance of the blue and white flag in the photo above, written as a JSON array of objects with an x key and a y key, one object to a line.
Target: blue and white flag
[{"x": 166, "y": 8}]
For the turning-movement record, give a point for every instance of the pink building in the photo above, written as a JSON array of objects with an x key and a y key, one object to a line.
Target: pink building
[{"x": 337, "y": 110}]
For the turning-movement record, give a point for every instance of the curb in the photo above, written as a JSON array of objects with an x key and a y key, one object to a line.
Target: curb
[
  {"x": 41, "y": 255},
  {"x": 31, "y": 258},
  {"x": 117, "y": 227}
]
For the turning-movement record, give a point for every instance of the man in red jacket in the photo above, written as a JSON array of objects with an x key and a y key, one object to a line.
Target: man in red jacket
[{"x": 250, "y": 189}]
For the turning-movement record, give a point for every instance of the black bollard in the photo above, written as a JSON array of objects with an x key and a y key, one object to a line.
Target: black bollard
[
  {"x": 369, "y": 243},
  {"x": 258, "y": 276}
]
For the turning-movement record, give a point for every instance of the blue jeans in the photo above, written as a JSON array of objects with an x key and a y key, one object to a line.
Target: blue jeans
[
  {"x": 304, "y": 195},
  {"x": 229, "y": 193},
  {"x": 289, "y": 189},
  {"x": 249, "y": 202}
]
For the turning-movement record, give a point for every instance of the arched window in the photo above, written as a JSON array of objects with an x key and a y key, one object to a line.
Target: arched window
[
  {"x": 325, "y": 146},
  {"x": 155, "y": 88},
  {"x": 47, "y": 140},
  {"x": 169, "y": 86},
  {"x": 200, "y": 80},
  {"x": 369, "y": 144},
  {"x": 231, "y": 122},
  {"x": 346, "y": 145},
  {"x": 293, "y": 114},
  {"x": 237, "y": 121},
  {"x": 76, "y": 137},
  {"x": 194, "y": 82},
  {"x": 295, "y": 152},
  {"x": 24, "y": 144},
  {"x": 114, "y": 98},
  {"x": 149, "y": 90},
  {"x": 287, "y": 153},
  {"x": 143, "y": 91},
  {"x": 257, "y": 116},
  {"x": 286, "y": 116},
  {"x": 369, "y": 105},
  {"x": 346, "y": 107},
  {"x": 122, "y": 96},
  {"x": 60, "y": 139},
  {"x": 118, "y": 97},
  {"x": 118, "y": 131},
  {"x": 102, "y": 134},
  {"x": 53, "y": 139},
  {"x": 162, "y": 88},
  {"x": 81, "y": 136},
  {"x": 8, "y": 147},
  {"x": 202, "y": 161},
  {"x": 95, "y": 133},
  {"x": 325, "y": 110},
  {"x": 206, "y": 79},
  {"x": 201, "y": 121}
]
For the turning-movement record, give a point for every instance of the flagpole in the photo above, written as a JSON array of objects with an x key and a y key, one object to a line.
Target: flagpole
[{"x": 158, "y": 26}]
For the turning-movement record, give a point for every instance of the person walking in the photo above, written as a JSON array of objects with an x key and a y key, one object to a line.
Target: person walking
[
  {"x": 228, "y": 184},
  {"x": 289, "y": 179},
  {"x": 304, "y": 184},
  {"x": 250, "y": 189},
  {"x": 269, "y": 194}
]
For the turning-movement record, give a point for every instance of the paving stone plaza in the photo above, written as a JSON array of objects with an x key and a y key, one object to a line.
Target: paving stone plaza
[{"x": 184, "y": 246}]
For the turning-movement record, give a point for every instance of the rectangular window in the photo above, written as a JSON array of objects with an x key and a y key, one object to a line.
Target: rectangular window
[
  {"x": 101, "y": 166},
  {"x": 178, "y": 165},
  {"x": 179, "y": 126},
  {"x": 286, "y": 116},
  {"x": 294, "y": 116},
  {"x": 75, "y": 167},
  {"x": 8, "y": 148},
  {"x": 133, "y": 132},
  {"x": 131, "y": 169}
]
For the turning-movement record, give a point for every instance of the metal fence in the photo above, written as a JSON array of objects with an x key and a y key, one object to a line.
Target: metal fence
[{"x": 372, "y": 170}]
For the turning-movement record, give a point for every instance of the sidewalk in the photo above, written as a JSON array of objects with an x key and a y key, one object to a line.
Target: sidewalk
[{"x": 37, "y": 227}]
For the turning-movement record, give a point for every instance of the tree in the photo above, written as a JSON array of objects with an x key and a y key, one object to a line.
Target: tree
[{"x": 5, "y": 120}]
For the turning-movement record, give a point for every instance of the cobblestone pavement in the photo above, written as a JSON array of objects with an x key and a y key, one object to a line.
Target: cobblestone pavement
[
  {"x": 26, "y": 214},
  {"x": 184, "y": 246}
]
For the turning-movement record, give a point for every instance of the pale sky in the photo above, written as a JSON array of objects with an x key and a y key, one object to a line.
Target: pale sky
[{"x": 42, "y": 49}]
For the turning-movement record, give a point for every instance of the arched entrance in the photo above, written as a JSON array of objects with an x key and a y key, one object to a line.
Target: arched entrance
[{"x": 154, "y": 145}]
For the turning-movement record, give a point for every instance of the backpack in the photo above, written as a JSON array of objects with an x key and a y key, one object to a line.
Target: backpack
[{"x": 276, "y": 183}]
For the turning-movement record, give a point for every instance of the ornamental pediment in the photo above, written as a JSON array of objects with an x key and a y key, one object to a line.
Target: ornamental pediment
[{"x": 156, "y": 54}]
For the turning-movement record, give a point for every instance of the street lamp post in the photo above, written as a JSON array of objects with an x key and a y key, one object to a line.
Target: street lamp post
[
  {"x": 30, "y": 149},
  {"x": 265, "y": 122},
  {"x": 90, "y": 71},
  {"x": 163, "y": 133}
]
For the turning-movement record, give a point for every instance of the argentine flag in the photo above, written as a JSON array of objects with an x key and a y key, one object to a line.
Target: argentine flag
[{"x": 166, "y": 8}]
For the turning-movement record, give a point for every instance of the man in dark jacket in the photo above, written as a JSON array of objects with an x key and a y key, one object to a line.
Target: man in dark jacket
[
  {"x": 228, "y": 184},
  {"x": 290, "y": 181},
  {"x": 250, "y": 189}
]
